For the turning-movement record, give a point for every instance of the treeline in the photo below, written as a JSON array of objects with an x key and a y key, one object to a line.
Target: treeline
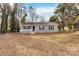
[
  {"x": 11, "y": 14},
  {"x": 66, "y": 15}
]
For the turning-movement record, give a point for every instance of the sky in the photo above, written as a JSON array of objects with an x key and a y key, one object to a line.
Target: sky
[{"x": 43, "y": 9}]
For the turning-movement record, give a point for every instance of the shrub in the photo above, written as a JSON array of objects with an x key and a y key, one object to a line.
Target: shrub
[{"x": 69, "y": 25}]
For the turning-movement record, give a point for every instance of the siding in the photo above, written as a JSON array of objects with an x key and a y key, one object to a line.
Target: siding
[{"x": 46, "y": 28}]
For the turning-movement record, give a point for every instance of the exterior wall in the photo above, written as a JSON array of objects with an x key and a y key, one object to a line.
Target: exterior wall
[
  {"x": 46, "y": 29},
  {"x": 56, "y": 28},
  {"x": 25, "y": 30}
]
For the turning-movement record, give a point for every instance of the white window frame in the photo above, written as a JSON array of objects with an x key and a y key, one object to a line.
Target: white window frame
[
  {"x": 41, "y": 27},
  {"x": 51, "y": 27},
  {"x": 26, "y": 27}
]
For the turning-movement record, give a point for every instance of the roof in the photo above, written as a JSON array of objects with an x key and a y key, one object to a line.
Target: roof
[{"x": 39, "y": 23}]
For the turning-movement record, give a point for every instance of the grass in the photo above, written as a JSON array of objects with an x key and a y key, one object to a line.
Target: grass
[{"x": 42, "y": 44}]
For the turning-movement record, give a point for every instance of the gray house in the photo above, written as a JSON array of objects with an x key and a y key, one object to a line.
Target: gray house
[{"x": 38, "y": 27}]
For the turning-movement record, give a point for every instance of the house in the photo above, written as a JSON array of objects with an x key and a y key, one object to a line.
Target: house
[{"x": 38, "y": 27}]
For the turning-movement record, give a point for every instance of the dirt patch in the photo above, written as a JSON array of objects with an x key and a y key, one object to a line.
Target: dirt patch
[{"x": 41, "y": 44}]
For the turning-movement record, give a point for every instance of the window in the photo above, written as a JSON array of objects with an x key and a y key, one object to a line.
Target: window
[
  {"x": 41, "y": 27},
  {"x": 51, "y": 27},
  {"x": 26, "y": 27}
]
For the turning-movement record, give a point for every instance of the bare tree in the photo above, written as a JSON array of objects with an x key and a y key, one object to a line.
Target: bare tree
[
  {"x": 32, "y": 14},
  {"x": 5, "y": 12}
]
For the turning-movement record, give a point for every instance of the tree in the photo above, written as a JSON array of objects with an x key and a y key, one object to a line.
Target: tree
[
  {"x": 14, "y": 22},
  {"x": 61, "y": 12},
  {"x": 5, "y": 12},
  {"x": 66, "y": 11},
  {"x": 23, "y": 20},
  {"x": 53, "y": 18},
  {"x": 11, "y": 16},
  {"x": 18, "y": 13},
  {"x": 23, "y": 13},
  {"x": 32, "y": 13}
]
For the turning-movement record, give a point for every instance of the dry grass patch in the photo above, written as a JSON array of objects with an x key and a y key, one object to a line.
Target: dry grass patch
[{"x": 41, "y": 44}]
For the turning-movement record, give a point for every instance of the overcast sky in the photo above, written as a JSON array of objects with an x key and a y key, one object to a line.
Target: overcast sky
[{"x": 45, "y": 9}]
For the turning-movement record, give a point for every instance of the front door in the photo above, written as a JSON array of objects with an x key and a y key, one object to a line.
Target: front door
[{"x": 33, "y": 28}]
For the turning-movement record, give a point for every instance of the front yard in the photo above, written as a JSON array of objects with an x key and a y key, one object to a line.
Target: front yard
[{"x": 40, "y": 44}]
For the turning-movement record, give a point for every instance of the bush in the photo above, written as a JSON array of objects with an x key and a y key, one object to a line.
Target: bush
[{"x": 69, "y": 25}]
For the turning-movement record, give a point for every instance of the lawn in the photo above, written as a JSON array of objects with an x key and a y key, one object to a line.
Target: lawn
[{"x": 40, "y": 44}]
